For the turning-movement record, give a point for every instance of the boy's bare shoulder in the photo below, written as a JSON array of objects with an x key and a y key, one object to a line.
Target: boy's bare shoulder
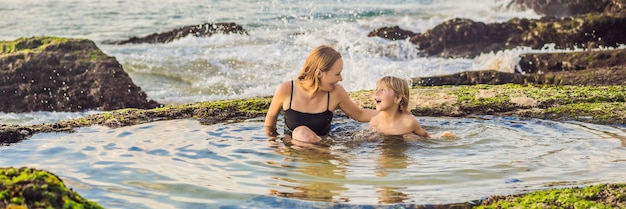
[
  {"x": 374, "y": 121},
  {"x": 408, "y": 118}
]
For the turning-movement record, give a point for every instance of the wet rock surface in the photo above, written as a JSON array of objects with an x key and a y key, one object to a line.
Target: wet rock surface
[
  {"x": 392, "y": 33},
  {"x": 201, "y": 30},
  {"x": 32, "y": 188},
  {"x": 60, "y": 74},
  {"x": 565, "y": 8},
  {"x": 587, "y": 68},
  {"x": 565, "y": 24},
  {"x": 205, "y": 112},
  {"x": 466, "y": 38}
]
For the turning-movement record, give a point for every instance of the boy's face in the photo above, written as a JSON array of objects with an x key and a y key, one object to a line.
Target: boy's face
[{"x": 385, "y": 98}]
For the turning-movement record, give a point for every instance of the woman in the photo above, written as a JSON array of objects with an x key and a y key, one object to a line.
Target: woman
[{"x": 308, "y": 101}]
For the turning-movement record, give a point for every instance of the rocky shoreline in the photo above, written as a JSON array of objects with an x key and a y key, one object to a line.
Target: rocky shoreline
[{"x": 593, "y": 104}]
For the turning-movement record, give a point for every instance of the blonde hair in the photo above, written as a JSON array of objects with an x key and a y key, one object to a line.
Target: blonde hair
[
  {"x": 321, "y": 58},
  {"x": 400, "y": 88}
]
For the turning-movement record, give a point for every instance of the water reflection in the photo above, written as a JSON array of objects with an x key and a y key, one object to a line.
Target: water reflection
[
  {"x": 323, "y": 171},
  {"x": 326, "y": 166},
  {"x": 393, "y": 157}
]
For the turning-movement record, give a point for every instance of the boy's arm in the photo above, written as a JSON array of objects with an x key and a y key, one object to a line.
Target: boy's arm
[{"x": 417, "y": 129}]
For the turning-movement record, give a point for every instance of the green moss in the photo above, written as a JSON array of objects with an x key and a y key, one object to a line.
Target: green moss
[
  {"x": 597, "y": 104},
  {"x": 25, "y": 45},
  {"x": 38, "y": 189},
  {"x": 107, "y": 115},
  {"x": 550, "y": 95},
  {"x": 596, "y": 196},
  {"x": 17, "y": 200},
  {"x": 596, "y": 112},
  {"x": 246, "y": 105}
]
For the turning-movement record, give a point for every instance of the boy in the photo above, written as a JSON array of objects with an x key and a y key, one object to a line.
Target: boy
[{"x": 392, "y": 102}]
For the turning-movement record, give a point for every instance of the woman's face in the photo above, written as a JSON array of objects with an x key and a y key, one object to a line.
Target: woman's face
[
  {"x": 330, "y": 78},
  {"x": 384, "y": 97}
]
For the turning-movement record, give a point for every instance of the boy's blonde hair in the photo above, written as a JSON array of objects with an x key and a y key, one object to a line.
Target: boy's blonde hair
[
  {"x": 400, "y": 88},
  {"x": 320, "y": 59}
]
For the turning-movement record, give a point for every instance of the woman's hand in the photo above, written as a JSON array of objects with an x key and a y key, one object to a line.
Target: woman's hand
[{"x": 271, "y": 131}]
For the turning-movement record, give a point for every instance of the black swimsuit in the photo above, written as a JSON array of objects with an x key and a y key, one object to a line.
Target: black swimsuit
[{"x": 317, "y": 122}]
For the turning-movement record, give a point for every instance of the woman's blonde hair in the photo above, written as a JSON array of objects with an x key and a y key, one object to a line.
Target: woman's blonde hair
[
  {"x": 321, "y": 58},
  {"x": 400, "y": 88}
]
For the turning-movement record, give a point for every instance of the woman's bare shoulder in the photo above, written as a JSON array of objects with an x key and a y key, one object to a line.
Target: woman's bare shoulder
[
  {"x": 284, "y": 88},
  {"x": 339, "y": 92}
]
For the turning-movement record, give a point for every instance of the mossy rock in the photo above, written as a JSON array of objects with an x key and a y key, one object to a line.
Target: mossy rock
[
  {"x": 32, "y": 188},
  {"x": 64, "y": 74},
  {"x": 593, "y": 104},
  {"x": 595, "y": 196}
]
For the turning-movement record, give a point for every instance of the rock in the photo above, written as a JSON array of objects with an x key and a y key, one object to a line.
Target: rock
[
  {"x": 588, "y": 77},
  {"x": 471, "y": 78},
  {"x": 587, "y": 68},
  {"x": 13, "y": 134},
  {"x": 393, "y": 33},
  {"x": 466, "y": 38},
  {"x": 206, "y": 112},
  {"x": 461, "y": 38},
  {"x": 33, "y": 188},
  {"x": 571, "y": 61},
  {"x": 61, "y": 74},
  {"x": 566, "y": 8},
  {"x": 202, "y": 30}
]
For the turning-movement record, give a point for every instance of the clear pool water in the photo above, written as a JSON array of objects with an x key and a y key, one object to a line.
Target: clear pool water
[{"x": 182, "y": 164}]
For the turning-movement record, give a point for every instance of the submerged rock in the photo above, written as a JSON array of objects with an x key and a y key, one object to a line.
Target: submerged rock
[
  {"x": 62, "y": 74},
  {"x": 202, "y": 30},
  {"x": 32, "y": 188}
]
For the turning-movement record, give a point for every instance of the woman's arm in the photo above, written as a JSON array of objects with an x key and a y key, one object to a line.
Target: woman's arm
[
  {"x": 275, "y": 106},
  {"x": 351, "y": 109}
]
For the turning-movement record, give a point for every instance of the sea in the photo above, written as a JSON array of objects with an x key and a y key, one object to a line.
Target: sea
[
  {"x": 182, "y": 164},
  {"x": 281, "y": 35}
]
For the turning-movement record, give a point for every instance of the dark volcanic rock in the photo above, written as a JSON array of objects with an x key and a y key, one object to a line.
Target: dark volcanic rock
[
  {"x": 462, "y": 38},
  {"x": 466, "y": 38},
  {"x": 565, "y": 8},
  {"x": 59, "y": 74},
  {"x": 393, "y": 33},
  {"x": 587, "y": 77},
  {"x": 559, "y": 62},
  {"x": 588, "y": 68},
  {"x": 202, "y": 30}
]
